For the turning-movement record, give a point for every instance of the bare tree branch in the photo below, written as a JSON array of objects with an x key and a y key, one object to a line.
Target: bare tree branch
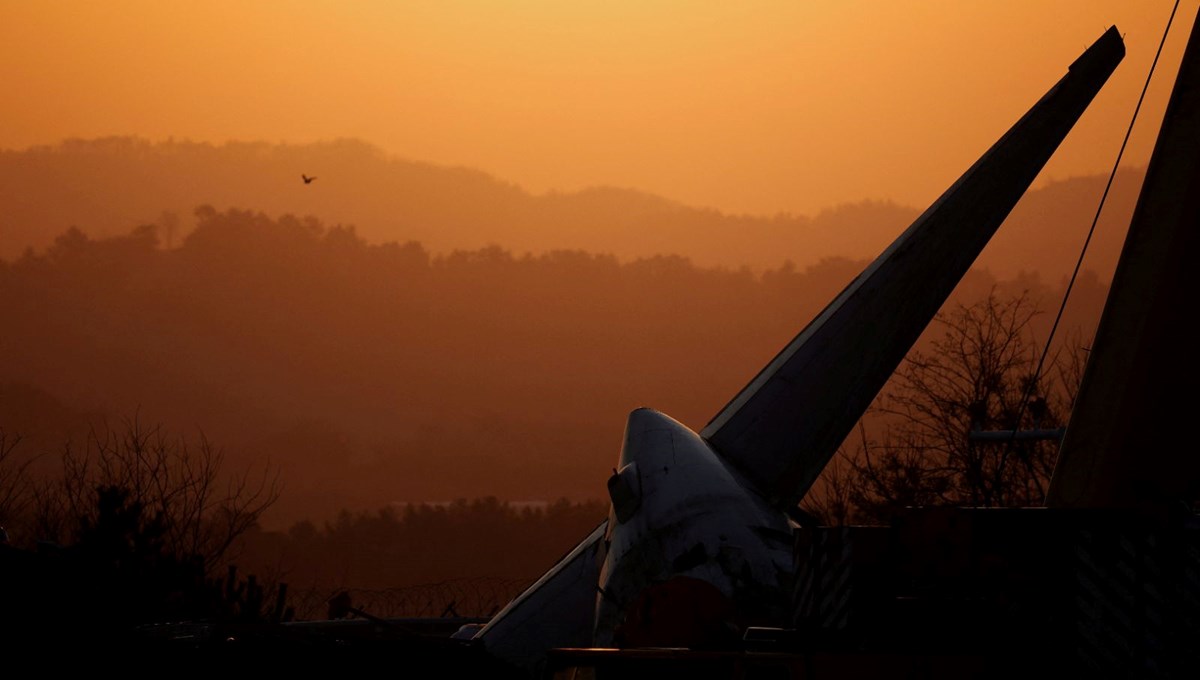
[
  {"x": 973, "y": 376},
  {"x": 174, "y": 483}
]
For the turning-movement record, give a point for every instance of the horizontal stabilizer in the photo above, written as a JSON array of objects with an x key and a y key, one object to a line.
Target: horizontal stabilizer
[
  {"x": 783, "y": 427},
  {"x": 558, "y": 610}
]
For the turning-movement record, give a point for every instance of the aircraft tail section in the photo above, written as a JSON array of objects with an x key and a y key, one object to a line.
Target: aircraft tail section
[
  {"x": 1124, "y": 446},
  {"x": 782, "y": 428}
]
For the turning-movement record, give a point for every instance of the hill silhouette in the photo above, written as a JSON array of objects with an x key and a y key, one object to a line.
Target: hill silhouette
[
  {"x": 109, "y": 186},
  {"x": 375, "y": 373}
]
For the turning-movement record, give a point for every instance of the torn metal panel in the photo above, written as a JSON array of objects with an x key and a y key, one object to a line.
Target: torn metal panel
[{"x": 698, "y": 537}]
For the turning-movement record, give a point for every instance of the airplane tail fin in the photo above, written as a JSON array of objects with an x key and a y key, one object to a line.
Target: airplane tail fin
[
  {"x": 782, "y": 428},
  {"x": 1123, "y": 445}
]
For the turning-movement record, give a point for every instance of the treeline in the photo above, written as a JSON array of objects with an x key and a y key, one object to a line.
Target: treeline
[
  {"x": 424, "y": 544},
  {"x": 157, "y": 528},
  {"x": 380, "y": 373},
  {"x": 112, "y": 184},
  {"x": 134, "y": 528}
]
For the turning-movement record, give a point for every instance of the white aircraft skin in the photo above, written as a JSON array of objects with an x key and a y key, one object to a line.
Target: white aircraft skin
[{"x": 679, "y": 510}]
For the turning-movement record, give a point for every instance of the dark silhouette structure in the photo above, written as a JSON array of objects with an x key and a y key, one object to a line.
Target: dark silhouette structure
[{"x": 1122, "y": 446}]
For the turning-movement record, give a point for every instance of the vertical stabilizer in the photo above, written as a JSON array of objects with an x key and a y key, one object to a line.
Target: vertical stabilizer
[
  {"x": 1124, "y": 446},
  {"x": 784, "y": 426}
]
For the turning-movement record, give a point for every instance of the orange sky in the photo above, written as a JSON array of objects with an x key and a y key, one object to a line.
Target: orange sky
[{"x": 757, "y": 106}]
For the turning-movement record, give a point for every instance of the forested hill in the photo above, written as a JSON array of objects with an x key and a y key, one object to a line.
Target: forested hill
[
  {"x": 109, "y": 186},
  {"x": 374, "y": 373}
]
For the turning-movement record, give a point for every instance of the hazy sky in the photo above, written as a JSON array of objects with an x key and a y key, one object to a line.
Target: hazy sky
[{"x": 756, "y": 106}]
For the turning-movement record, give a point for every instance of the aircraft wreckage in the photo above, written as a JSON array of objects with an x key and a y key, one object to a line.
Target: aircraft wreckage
[{"x": 698, "y": 544}]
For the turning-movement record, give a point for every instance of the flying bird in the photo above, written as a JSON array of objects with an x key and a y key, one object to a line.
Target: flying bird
[{"x": 307, "y": 179}]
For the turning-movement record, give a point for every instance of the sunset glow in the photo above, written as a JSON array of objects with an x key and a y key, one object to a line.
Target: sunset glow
[
  {"x": 498, "y": 338},
  {"x": 756, "y": 107}
]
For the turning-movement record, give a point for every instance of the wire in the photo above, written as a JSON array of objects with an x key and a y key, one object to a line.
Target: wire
[{"x": 1078, "y": 263}]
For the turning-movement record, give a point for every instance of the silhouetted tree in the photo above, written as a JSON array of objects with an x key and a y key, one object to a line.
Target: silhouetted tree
[
  {"x": 916, "y": 447},
  {"x": 376, "y": 372},
  {"x": 191, "y": 507},
  {"x": 416, "y": 561},
  {"x": 14, "y": 484},
  {"x": 140, "y": 521}
]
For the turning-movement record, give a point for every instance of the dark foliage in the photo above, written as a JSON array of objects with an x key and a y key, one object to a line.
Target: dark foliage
[
  {"x": 920, "y": 444},
  {"x": 468, "y": 556},
  {"x": 118, "y": 576},
  {"x": 381, "y": 372}
]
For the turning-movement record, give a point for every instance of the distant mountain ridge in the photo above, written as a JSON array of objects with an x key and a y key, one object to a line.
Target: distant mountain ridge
[{"x": 109, "y": 186}]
